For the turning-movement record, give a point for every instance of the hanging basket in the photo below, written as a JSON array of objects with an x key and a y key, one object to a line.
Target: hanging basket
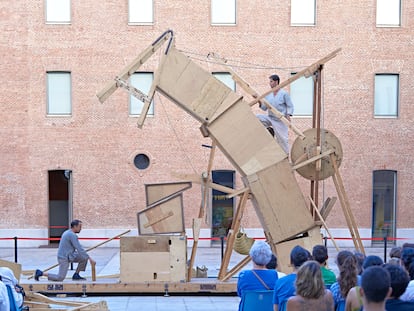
[{"x": 242, "y": 243}]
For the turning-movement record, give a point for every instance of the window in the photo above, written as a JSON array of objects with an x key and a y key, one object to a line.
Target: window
[
  {"x": 141, "y": 161},
  {"x": 302, "y": 12},
  {"x": 223, "y": 12},
  {"x": 58, "y": 11},
  {"x": 384, "y": 194},
  {"x": 59, "y": 100},
  {"x": 301, "y": 93},
  {"x": 388, "y": 13},
  {"x": 141, "y": 12},
  {"x": 386, "y": 95},
  {"x": 226, "y": 78},
  {"x": 142, "y": 81}
]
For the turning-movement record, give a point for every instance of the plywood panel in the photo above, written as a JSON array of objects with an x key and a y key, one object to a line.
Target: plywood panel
[
  {"x": 167, "y": 217},
  {"x": 283, "y": 250},
  {"x": 279, "y": 203},
  {"x": 156, "y": 192},
  {"x": 15, "y": 267},
  {"x": 145, "y": 244},
  {"x": 145, "y": 267}
]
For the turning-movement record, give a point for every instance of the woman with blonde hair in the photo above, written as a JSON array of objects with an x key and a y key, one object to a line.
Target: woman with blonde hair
[{"x": 311, "y": 294}]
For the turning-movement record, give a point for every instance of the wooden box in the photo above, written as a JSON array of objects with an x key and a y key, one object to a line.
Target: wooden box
[{"x": 153, "y": 259}]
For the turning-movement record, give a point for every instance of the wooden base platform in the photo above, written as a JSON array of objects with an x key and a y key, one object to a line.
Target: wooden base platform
[{"x": 108, "y": 286}]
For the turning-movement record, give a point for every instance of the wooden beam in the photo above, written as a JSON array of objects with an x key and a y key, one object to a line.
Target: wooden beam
[
  {"x": 313, "y": 159},
  {"x": 308, "y": 71}
]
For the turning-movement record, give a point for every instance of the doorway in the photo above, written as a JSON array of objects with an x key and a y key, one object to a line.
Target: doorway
[
  {"x": 60, "y": 203},
  {"x": 222, "y": 208},
  {"x": 384, "y": 206}
]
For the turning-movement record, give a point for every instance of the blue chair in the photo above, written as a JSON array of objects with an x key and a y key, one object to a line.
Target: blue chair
[
  {"x": 257, "y": 300},
  {"x": 13, "y": 306}
]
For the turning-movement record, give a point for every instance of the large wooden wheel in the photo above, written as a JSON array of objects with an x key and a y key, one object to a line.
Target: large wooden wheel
[{"x": 306, "y": 148}]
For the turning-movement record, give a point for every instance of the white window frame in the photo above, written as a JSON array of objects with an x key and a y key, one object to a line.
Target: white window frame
[
  {"x": 223, "y": 12},
  {"x": 388, "y": 13},
  {"x": 301, "y": 93},
  {"x": 386, "y": 97},
  {"x": 142, "y": 81},
  {"x": 226, "y": 78},
  {"x": 140, "y": 12},
  {"x": 303, "y": 12},
  {"x": 58, "y": 11},
  {"x": 59, "y": 93}
]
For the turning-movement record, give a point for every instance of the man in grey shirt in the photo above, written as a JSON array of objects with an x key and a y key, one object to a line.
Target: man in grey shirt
[{"x": 69, "y": 251}]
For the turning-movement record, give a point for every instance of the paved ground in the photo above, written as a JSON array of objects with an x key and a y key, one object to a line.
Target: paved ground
[{"x": 108, "y": 263}]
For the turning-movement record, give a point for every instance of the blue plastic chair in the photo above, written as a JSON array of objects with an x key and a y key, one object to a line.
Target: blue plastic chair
[
  {"x": 13, "y": 305},
  {"x": 257, "y": 300}
]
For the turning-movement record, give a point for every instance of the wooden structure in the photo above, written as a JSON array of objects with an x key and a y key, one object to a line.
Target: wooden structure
[
  {"x": 227, "y": 119},
  {"x": 288, "y": 217},
  {"x": 165, "y": 259}
]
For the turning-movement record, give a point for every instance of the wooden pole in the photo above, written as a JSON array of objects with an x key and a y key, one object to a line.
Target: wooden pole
[
  {"x": 89, "y": 249},
  {"x": 232, "y": 234}
]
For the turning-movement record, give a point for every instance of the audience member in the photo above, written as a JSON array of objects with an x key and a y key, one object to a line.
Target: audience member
[
  {"x": 8, "y": 278},
  {"x": 347, "y": 278},
  {"x": 4, "y": 298},
  {"x": 311, "y": 294},
  {"x": 285, "y": 287},
  {"x": 407, "y": 259},
  {"x": 372, "y": 260},
  {"x": 375, "y": 288},
  {"x": 360, "y": 257},
  {"x": 273, "y": 266},
  {"x": 320, "y": 254},
  {"x": 259, "y": 278},
  {"x": 395, "y": 252},
  {"x": 399, "y": 282}
]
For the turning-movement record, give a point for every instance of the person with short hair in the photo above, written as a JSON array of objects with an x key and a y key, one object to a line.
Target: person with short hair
[
  {"x": 399, "y": 283},
  {"x": 285, "y": 287},
  {"x": 375, "y": 288},
  {"x": 320, "y": 254},
  {"x": 69, "y": 251},
  {"x": 273, "y": 265},
  {"x": 281, "y": 101},
  {"x": 407, "y": 259},
  {"x": 372, "y": 260},
  {"x": 311, "y": 294},
  {"x": 259, "y": 278}
]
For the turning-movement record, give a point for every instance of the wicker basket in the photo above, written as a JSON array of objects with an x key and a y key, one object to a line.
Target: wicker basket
[{"x": 242, "y": 243}]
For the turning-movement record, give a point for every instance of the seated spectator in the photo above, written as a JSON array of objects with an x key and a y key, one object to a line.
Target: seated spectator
[
  {"x": 285, "y": 287},
  {"x": 9, "y": 279},
  {"x": 395, "y": 252},
  {"x": 272, "y": 265},
  {"x": 4, "y": 298},
  {"x": 360, "y": 257},
  {"x": 375, "y": 288},
  {"x": 320, "y": 254},
  {"x": 259, "y": 278},
  {"x": 347, "y": 278},
  {"x": 310, "y": 290},
  {"x": 399, "y": 282},
  {"x": 407, "y": 259},
  {"x": 372, "y": 260}
]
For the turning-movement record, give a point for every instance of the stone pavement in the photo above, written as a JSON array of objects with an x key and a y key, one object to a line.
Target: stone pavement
[{"x": 108, "y": 260}]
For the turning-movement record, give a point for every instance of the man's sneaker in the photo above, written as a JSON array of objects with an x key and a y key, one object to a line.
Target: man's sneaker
[
  {"x": 77, "y": 277},
  {"x": 38, "y": 274}
]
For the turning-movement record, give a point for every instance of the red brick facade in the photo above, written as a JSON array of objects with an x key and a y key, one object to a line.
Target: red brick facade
[{"x": 98, "y": 142}]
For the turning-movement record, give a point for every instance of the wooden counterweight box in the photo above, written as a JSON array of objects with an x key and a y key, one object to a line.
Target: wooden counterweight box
[{"x": 153, "y": 258}]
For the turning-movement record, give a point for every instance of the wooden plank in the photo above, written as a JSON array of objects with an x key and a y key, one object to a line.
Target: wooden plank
[
  {"x": 308, "y": 71},
  {"x": 151, "y": 221},
  {"x": 154, "y": 243},
  {"x": 131, "y": 68},
  {"x": 155, "y": 269},
  {"x": 327, "y": 207},
  {"x": 156, "y": 192},
  {"x": 178, "y": 259}
]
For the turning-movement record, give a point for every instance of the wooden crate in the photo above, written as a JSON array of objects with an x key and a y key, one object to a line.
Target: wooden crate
[{"x": 153, "y": 259}]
